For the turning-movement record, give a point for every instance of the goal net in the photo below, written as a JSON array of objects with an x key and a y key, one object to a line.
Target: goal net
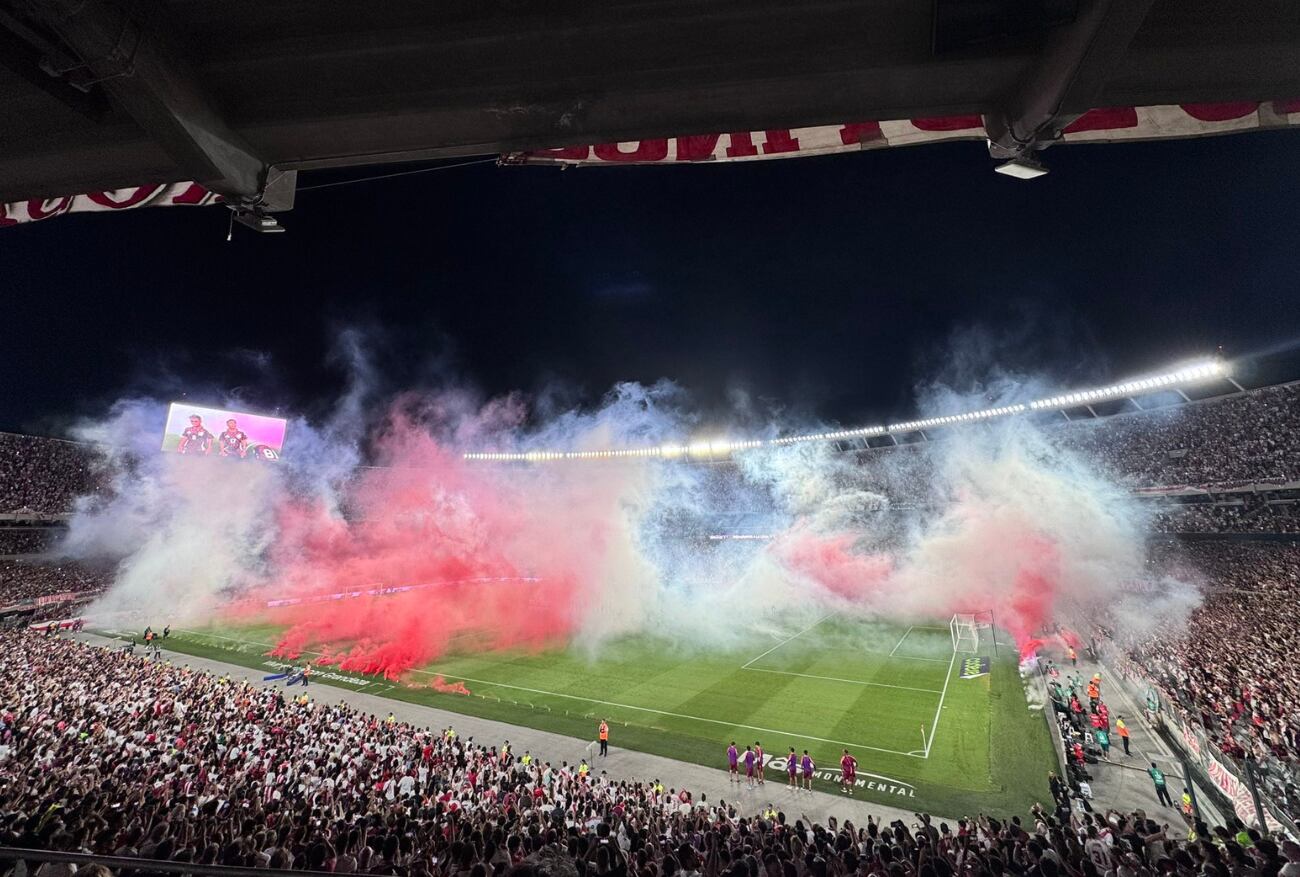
[{"x": 970, "y": 630}]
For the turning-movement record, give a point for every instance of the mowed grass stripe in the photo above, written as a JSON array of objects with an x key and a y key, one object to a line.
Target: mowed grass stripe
[
  {"x": 713, "y": 695},
  {"x": 868, "y": 668},
  {"x": 632, "y": 707}
]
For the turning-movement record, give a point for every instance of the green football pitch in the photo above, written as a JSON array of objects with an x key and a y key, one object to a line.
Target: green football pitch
[{"x": 895, "y": 696}]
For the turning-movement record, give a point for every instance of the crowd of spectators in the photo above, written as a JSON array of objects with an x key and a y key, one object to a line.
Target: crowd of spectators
[
  {"x": 29, "y": 580},
  {"x": 1245, "y": 514},
  {"x": 1251, "y": 437},
  {"x": 1234, "y": 671},
  {"x": 45, "y": 475},
  {"x": 19, "y": 539},
  {"x": 109, "y": 753}
]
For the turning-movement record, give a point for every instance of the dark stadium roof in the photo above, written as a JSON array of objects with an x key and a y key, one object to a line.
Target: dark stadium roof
[{"x": 218, "y": 92}]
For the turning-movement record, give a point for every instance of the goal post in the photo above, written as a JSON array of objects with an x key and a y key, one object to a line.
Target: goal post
[
  {"x": 972, "y": 630},
  {"x": 965, "y": 635}
]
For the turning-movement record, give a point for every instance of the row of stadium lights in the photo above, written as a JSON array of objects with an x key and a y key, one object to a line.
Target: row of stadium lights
[
  {"x": 720, "y": 447},
  {"x": 1182, "y": 376}
]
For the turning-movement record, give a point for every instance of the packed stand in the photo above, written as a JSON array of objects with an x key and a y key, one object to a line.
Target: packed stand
[
  {"x": 44, "y": 475},
  {"x": 1242, "y": 515},
  {"x": 1234, "y": 671},
  {"x": 1246, "y": 438},
  {"x": 109, "y": 753},
  {"x": 17, "y": 539},
  {"x": 29, "y": 580}
]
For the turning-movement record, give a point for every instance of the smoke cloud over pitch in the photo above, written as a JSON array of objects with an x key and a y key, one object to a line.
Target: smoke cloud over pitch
[{"x": 1001, "y": 517}]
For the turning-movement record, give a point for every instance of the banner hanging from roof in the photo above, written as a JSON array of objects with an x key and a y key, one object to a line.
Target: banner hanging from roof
[
  {"x": 1096, "y": 126},
  {"x": 1108, "y": 125},
  {"x": 158, "y": 195}
]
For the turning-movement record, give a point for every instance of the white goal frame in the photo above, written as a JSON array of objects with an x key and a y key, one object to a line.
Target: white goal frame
[{"x": 966, "y": 629}]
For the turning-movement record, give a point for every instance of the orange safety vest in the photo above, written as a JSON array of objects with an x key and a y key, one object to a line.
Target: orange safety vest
[
  {"x": 1093, "y": 690},
  {"x": 1122, "y": 728},
  {"x": 604, "y": 731}
]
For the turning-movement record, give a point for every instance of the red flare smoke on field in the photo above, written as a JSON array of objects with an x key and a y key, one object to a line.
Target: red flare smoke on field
[{"x": 530, "y": 557}]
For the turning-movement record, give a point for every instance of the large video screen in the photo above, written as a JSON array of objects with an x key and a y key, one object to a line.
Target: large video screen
[{"x": 195, "y": 431}]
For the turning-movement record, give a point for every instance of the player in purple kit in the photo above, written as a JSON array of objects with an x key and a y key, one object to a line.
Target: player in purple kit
[
  {"x": 806, "y": 764},
  {"x": 749, "y": 766},
  {"x": 733, "y": 758},
  {"x": 196, "y": 439},
  {"x": 792, "y": 768}
]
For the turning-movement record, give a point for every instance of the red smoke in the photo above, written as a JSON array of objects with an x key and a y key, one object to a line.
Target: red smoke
[
  {"x": 440, "y": 684},
  {"x": 431, "y": 518},
  {"x": 831, "y": 562},
  {"x": 544, "y": 537}
]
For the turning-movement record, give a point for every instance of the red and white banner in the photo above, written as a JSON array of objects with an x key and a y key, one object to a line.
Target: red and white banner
[
  {"x": 1096, "y": 126},
  {"x": 64, "y": 597},
  {"x": 160, "y": 195}
]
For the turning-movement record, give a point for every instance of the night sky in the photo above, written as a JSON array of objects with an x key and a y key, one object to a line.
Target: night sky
[{"x": 821, "y": 287}]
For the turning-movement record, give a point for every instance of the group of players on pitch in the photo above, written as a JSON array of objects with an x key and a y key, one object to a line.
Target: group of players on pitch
[{"x": 799, "y": 769}]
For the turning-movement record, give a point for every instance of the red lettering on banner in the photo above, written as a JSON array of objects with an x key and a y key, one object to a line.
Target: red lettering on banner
[
  {"x": 1219, "y": 112},
  {"x": 570, "y": 153},
  {"x": 860, "y": 132},
  {"x": 1104, "y": 119},
  {"x": 742, "y": 145},
  {"x": 1286, "y": 107},
  {"x": 193, "y": 194},
  {"x": 697, "y": 147},
  {"x": 36, "y": 207},
  {"x": 5, "y": 220},
  {"x": 949, "y": 123},
  {"x": 646, "y": 150},
  {"x": 780, "y": 141},
  {"x": 139, "y": 194}
]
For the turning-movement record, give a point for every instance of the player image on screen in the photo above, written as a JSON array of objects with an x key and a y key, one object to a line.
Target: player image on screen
[
  {"x": 234, "y": 441},
  {"x": 245, "y": 436},
  {"x": 195, "y": 439}
]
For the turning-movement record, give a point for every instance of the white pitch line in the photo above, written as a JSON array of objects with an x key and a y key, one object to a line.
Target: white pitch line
[
  {"x": 935, "y": 725},
  {"x": 838, "y": 679},
  {"x": 745, "y": 666},
  {"x": 643, "y": 709},
  {"x": 646, "y": 709},
  {"x": 231, "y": 638},
  {"x": 900, "y": 641}
]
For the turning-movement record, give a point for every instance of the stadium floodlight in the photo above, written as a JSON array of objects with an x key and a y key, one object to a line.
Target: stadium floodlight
[
  {"x": 719, "y": 447},
  {"x": 1024, "y": 168}
]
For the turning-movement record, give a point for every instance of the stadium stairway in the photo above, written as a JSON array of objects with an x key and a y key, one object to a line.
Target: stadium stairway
[
  {"x": 1123, "y": 783},
  {"x": 620, "y": 764}
]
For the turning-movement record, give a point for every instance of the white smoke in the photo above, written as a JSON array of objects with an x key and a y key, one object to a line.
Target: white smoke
[{"x": 1002, "y": 517}]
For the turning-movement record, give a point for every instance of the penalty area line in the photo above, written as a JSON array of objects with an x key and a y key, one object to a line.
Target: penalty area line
[
  {"x": 745, "y": 666},
  {"x": 839, "y": 679},
  {"x": 900, "y": 640},
  {"x": 934, "y": 726}
]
